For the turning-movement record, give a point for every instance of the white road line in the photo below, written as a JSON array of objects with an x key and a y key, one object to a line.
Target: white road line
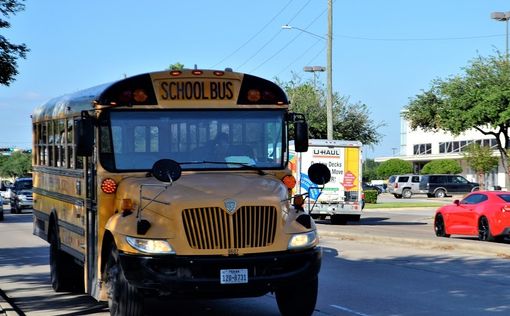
[{"x": 348, "y": 310}]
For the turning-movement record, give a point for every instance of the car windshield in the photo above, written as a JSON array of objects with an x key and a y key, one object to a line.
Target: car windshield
[
  {"x": 198, "y": 139},
  {"x": 23, "y": 184}
]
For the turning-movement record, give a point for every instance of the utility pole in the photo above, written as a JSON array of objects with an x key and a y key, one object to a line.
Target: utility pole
[{"x": 329, "y": 68}]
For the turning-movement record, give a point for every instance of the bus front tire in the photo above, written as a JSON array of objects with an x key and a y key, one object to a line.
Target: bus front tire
[
  {"x": 298, "y": 299},
  {"x": 65, "y": 274},
  {"x": 123, "y": 298}
]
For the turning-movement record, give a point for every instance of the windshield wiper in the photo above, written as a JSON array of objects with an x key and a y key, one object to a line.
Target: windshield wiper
[{"x": 242, "y": 165}]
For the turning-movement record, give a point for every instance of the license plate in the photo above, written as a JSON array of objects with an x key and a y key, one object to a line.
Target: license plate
[{"x": 233, "y": 276}]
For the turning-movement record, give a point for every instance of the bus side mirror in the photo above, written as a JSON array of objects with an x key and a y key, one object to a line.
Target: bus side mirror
[
  {"x": 319, "y": 173},
  {"x": 84, "y": 136},
  {"x": 301, "y": 136}
]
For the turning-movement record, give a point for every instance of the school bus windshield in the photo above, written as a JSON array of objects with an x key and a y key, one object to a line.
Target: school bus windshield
[{"x": 205, "y": 139}]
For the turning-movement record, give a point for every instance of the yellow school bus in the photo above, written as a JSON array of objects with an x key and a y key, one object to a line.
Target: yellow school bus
[{"x": 174, "y": 183}]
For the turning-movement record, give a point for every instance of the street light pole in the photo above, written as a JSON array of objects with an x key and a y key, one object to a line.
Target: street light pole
[
  {"x": 503, "y": 16},
  {"x": 314, "y": 70},
  {"x": 329, "y": 67}
]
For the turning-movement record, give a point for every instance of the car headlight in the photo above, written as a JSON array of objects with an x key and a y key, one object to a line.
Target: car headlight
[
  {"x": 304, "y": 240},
  {"x": 154, "y": 246}
]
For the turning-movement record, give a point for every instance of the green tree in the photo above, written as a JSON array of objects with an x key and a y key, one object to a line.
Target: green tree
[
  {"x": 9, "y": 53},
  {"x": 394, "y": 166},
  {"x": 176, "y": 66},
  {"x": 16, "y": 165},
  {"x": 351, "y": 121},
  {"x": 442, "y": 166},
  {"x": 369, "y": 170},
  {"x": 481, "y": 160},
  {"x": 477, "y": 99}
]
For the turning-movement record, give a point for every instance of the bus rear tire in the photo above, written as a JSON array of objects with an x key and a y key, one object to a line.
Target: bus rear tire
[
  {"x": 123, "y": 298},
  {"x": 298, "y": 299},
  {"x": 65, "y": 274}
]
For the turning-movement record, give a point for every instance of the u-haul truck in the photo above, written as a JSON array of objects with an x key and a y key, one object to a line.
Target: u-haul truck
[{"x": 341, "y": 198}]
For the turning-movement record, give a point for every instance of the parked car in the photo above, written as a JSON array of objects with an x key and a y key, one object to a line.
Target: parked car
[
  {"x": 1, "y": 208},
  {"x": 365, "y": 186},
  {"x": 441, "y": 185},
  {"x": 21, "y": 195},
  {"x": 485, "y": 214},
  {"x": 404, "y": 185}
]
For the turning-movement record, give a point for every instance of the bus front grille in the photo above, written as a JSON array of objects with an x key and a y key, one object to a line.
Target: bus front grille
[{"x": 214, "y": 228}]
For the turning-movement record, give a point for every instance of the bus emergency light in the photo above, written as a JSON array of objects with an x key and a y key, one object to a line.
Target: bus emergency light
[{"x": 108, "y": 186}]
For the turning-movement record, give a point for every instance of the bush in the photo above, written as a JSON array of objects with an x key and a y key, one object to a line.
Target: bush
[
  {"x": 442, "y": 166},
  {"x": 371, "y": 196},
  {"x": 394, "y": 166}
]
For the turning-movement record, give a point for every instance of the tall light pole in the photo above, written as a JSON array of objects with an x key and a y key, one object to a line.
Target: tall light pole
[
  {"x": 329, "y": 67},
  {"x": 314, "y": 70},
  {"x": 502, "y": 16}
]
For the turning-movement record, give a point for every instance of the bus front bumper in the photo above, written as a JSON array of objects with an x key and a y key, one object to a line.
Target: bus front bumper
[{"x": 199, "y": 276}]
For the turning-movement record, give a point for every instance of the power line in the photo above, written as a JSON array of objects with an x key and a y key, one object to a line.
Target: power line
[
  {"x": 255, "y": 35},
  {"x": 418, "y": 39},
  {"x": 301, "y": 56},
  {"x": 274, "y": 36},
  {"x": 289, "y": 42}
]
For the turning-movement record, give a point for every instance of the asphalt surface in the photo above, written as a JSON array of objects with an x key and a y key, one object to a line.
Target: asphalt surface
[{"x": 421, "y": 236}]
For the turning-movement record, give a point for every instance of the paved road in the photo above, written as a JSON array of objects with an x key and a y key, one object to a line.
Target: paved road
[{"x": 388, "y": 264}]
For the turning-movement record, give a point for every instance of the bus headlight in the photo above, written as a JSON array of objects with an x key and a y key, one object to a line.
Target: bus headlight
[
  {"x": 154, "y": 246},
  {"x": 304, "y": 240}
]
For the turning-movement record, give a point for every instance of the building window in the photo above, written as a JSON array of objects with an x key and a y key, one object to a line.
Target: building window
[
  {"x": 422, "y": 149},
  {"x": 460, "y": 146}
]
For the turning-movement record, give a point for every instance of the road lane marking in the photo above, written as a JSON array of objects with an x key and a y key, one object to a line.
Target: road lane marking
[{"x": 345, "y": 309}]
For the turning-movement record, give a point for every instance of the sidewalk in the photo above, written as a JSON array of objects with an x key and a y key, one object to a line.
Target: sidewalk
[{"x": 430, "y": 241}]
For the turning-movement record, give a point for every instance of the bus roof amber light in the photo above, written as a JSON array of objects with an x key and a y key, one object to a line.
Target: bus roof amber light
[
  {"x": 108, "y": 186},
  {"x": 289, "y": 181},
  {"x": 175, "y": 73},
  {"x": 253, "y": 95},
  {"x": 140, "y": 96},
  {"x": 197, "y": 72},
  {"x": 218, "y": 73}
]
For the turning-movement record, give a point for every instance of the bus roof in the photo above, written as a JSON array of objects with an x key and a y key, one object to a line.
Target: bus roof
[{"x": 187, "y": 88}]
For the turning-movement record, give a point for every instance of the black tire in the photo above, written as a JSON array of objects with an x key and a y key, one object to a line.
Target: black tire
[
  {"x": 406, "y": 193},
  {"x": 484, "y": 230},
  {"x": 439, "y": 226},
  {"x": 338, "y": 219},
  {"x": 298, "y": 299},
  {"x": 430, "y": 195},
  {"x": 65, "y": 274},
  {"x": 123, "y": 298},
  {"x": 440, "y": 193},
  {"x": 398, "y": 196},
  {"x": 1, "y": 216}
]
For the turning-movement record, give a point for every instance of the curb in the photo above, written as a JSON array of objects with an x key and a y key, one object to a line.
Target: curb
[{"x": 436, "y": 243}]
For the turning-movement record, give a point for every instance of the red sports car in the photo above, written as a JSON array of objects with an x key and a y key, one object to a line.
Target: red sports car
[{"x": 485, "y": 214}]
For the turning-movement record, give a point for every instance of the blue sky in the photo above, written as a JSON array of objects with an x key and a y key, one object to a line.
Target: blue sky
[{"x": 384, "y": 52}]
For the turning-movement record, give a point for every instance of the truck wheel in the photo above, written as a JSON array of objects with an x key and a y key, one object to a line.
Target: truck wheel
[
  {"x": 440, "y": 193},
  {"x": 65, "y": 274},
  {"x": 338, "y": 219},
  {"x": 406, "y": 194},
  {"x": 398, "y": 196},
  {"x": 297, "y": 299},
  {"x": 123, "y": 298}
]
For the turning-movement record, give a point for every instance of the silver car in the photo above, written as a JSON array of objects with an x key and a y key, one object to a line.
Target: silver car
[{"x": 404, "y": 186}]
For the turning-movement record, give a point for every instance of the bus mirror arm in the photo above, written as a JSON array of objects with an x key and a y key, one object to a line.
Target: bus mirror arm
[{"x": 143, "y": 225}]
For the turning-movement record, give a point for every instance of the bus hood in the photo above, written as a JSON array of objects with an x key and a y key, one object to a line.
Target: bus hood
[{"x": 203, "y": 190}]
